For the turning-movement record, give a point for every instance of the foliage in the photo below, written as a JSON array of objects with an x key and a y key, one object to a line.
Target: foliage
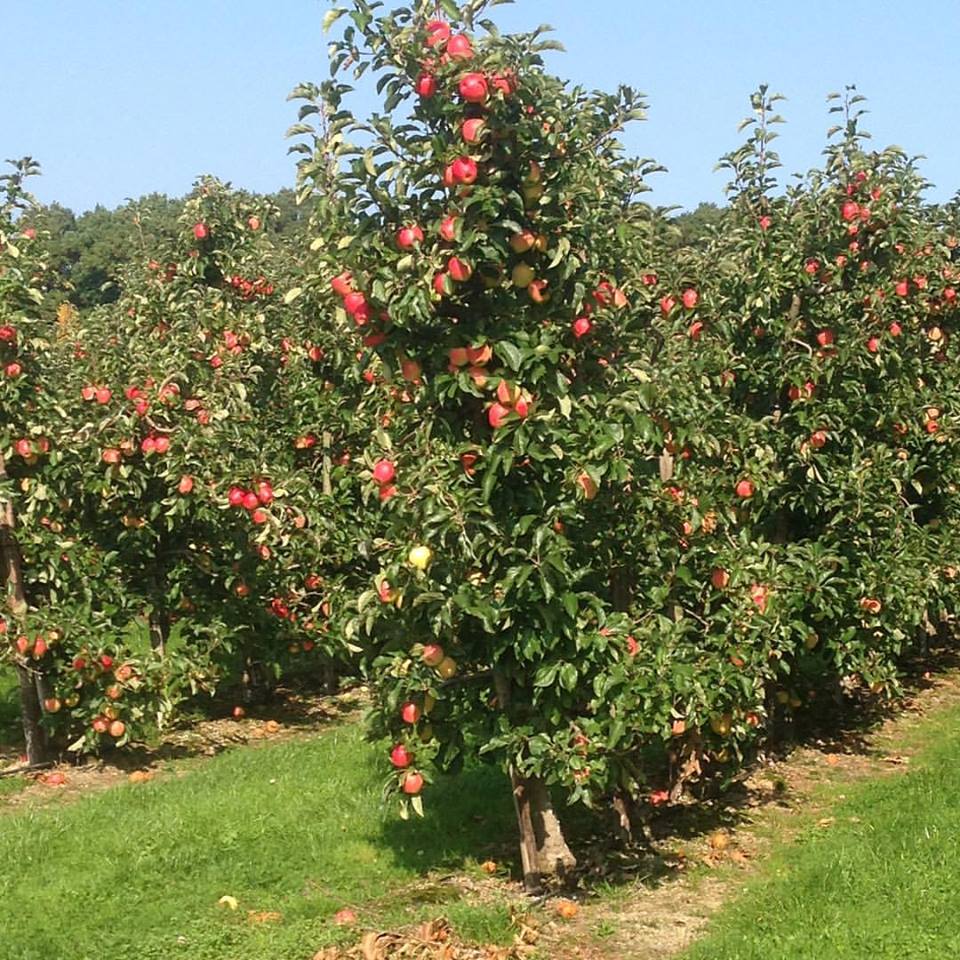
[{"x": 601, "y": 508}]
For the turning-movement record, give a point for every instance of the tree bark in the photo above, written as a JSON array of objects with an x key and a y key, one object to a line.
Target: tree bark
[
  {"x": 544, "y": 854},
  {"x": 35, "y": 742},
  {"x": 11, "y": 578}
]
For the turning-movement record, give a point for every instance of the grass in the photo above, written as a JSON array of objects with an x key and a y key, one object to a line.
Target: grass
[
  {"x": 296, "y": 828},
  {"x": 880, "y": 881},
  {"x": 10, "y": 731}
]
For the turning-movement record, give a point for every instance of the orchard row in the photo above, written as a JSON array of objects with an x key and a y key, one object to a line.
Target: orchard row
[{"x": 605, "y": 512}]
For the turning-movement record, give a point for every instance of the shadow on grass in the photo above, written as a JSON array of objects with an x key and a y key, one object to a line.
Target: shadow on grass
[{"x": 467, "y": 817}]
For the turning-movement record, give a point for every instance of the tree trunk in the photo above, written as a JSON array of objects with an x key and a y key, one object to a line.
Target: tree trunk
[
  {"x": 11, "y": 578},
  {"x": 331, "y": 677},
  {"x": 35, "y": 741},
  {"x": 544, "y": 854}
]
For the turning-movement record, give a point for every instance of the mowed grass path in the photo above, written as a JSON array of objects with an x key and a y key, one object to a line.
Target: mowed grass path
[
  {"x": 880, "y": 882},
  {"x": 297, "y": 828}
]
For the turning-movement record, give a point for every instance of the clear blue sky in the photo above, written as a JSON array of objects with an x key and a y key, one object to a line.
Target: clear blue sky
[{"x": 117, "y": 98}]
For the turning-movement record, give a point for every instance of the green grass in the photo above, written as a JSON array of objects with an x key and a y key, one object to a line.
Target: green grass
[
  {"x": 299, "y": 828},
  {"x": 881, "y": 882},
  {"x": 12, "y": 785},
  {"x": 10, "y": 731}
]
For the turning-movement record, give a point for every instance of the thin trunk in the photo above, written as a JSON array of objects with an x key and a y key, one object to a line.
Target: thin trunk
[
  {"x": 331, "y": 677},
  {"x": 544, "y": 854},
  {"x": 327, "y": 483},
  {"x": 621, "y": 589},
  {"x": 11, "y": 577},
  {"x": 35, "y": 745},
  {"x": 622, "y": 807}
]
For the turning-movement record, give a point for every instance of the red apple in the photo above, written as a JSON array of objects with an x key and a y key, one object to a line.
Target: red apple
[
  {"x": 508, "y": 393},
  {"x": 200, "y": 231},
  {"x": 473, "y": 129},
  {"x": 505, "y": 83},
  {"x": 383, "y": 472},
  {"x": 440, "y": 283},
  {"x": 448, "y": 229},
  {"x": 825, "y": 338},
  {"x": 459, "y": 47},
  {"x": 409, "y": 237},
  {"x": 438, "y": 33},
  {"x": 690, "y": 298},
  {"x": 480, "y": 356},
  {"x": 410, "y": 712},
  {"x": 259, "y": 517},
  {"x": 186, "y": 484},
  {"x": 385, "y": 592},
  {"x": 473, "y": 88},
  {"x": 581, "y": 327},
  {"x": 354, "y": 302},
  {"x": 588, "y": 485},
  {"x": 745, "y": 489},
  {"x": 523, "y": 241},
  {"x": 411, "y": 370},
  {"x": 720, "y": 578},
  {"x": 459, "y": 270},
  {"x": 537, "y": 291},
  {"x": 412, "y": 783},
  {"x": 400, "y": 757},
  {"x": 250, "y": 501},
  {"x": 433, "y": 654},
  {"x": 496, "y": 414},
  {"x": 342, "y": 284},
  {"x": 464, "y": 170}
]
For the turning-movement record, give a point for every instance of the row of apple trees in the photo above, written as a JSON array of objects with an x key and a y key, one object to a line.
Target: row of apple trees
[
  {"x": 605, "y": 514},
  {"x": 645, "y": 507}
]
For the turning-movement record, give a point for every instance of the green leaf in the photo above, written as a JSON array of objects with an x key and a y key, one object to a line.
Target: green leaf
[{"x": 510, "y": 353}]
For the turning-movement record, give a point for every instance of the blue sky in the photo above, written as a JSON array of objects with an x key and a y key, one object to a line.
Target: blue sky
[{"x": 117, "y": 98}]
